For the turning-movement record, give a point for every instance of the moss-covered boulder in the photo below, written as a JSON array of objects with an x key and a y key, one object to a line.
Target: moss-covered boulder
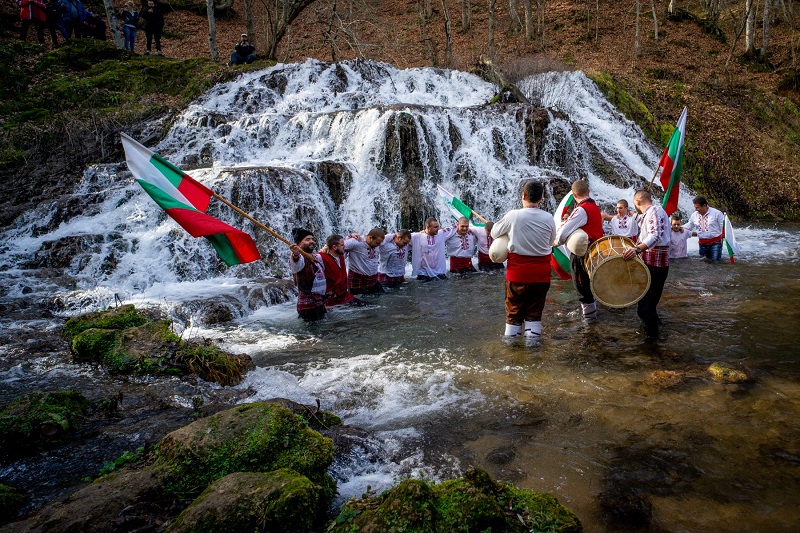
[
  {"x": 472, "y": 503},
  {"x": 257, "y": 437},
  {"x": 122, "y": 317},
  {"x": 282, "y": 500},
  {"x": 727, "y": 374},
  {"x": 35, "y": 421},
  {"x": 11, "y": 501}
]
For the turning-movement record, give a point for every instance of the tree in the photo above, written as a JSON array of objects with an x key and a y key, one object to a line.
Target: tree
[
  {"x": 513, "y": 10},
  {"x": 429, "y": 44},
  {"x": 749, "y": 30},
  {"x": 765, "y": 30},
  {"x": 280, "y": 14},
  {"x": 491, "y": 30},
  {"x": 466, "y": 15},
  {"x": 212, "y": 30},
  {"x": 449, "y": 34},
  {"x": 112, "y": 23},
  {"x": 528, "y": 5},
  {"x": 248, "y": 17}
]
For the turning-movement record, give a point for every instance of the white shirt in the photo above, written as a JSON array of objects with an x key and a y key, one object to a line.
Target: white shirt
[
  {"x": 530, "y": 230},
  {"x": 708, "y": 226},
  {"x": 319, "y": 285},
  {"x": 461, "y": 245},
  {"x": 427, "y": 252},
  {"x": 482, "y": 238},
  {"x": 576, "y": 220},
  {"x": 677, "y": 243},
  {"x": 392, "y": 259},
  {"x": 361, "y": 257},
  {"x": 625, "y": 226},
  {"x": 654, "y": 227}
]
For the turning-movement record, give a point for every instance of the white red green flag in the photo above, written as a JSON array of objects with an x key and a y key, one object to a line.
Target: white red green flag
[
  {"x": 671, "y": 164},
  {"x": 730, "y": 238},
  {"x": 185, "y": 200},
  {"x": 456, "y": 207},
  {"x": 559, "y": 260}
]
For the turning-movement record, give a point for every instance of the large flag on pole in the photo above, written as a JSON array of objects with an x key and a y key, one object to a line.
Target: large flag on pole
[
  {"x": 671, "y": 164},
  {"x": 456, "y": 207},
  {"x": 730, "y": 238},
  {"x": 185, "y": 200},
  {"x": 559, "y": 260}
]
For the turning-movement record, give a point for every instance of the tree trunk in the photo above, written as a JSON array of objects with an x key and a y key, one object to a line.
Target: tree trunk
[
  {"x": 528, "y": 5},
  {"x": 541, "y": 9},
  {"x": 750, "y": 29},
  {"x": 449, "y": 34},
  {"x": 466, "y": 15},
  {"x": 423, "y": 23},
  {"x": 655, "y": 20},
  {"x": 112, "y": 23},
  {"x": 513, "y": 10},
  {"x": 428, "y": 8},
  {"x": 280, "y": 14},
  {"x": 491, "y": 30},
  {"x": 212, "y": 30},
  {"x": 248, "y": 17},
  {"x": 765, "y": 30},
  {"x": 636, "y": 44}
]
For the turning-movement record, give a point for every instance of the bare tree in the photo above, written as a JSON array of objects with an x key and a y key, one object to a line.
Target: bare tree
[
  {"x": 513, "y": 11},
  {"x": 111, "y": 15},
  {"x": 423, "y": 23},
  {"x": 466, "y": 15},
  {"x": 655, "y": 20},
  {"x": 212, "y": 30},
  {"x": 636, "y": 49},
  {"x": 248, "y": 17},
  {"x": 541, "y": 9},
  {"x": 765, "y": 30},
  {"x": 528, "y": 7},
  {"x": 491, "y": 30},
  {"x": 449, "y": 34},
  {"x": 749, "y": 29},
  {"x": 280, "y": 14},
  {"x": 428, "y": 8}
]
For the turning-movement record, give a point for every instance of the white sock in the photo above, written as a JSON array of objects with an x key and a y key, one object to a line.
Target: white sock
[
  {"x": 533, "y": 328},
  {"x": 513, "y": 330},
  {"x": 589, "y": 311}
]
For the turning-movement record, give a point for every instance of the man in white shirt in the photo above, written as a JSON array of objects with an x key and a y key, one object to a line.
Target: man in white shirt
[
  {"x": 393, "y": 258},
  {"x": 461, "y": 247},
  {"x": 363, "y": 261},
  {"x": 309, "y": 276},
  {"x": 531, "y": 233},
  {"x": 428, "y": 251},
  {"x": 485, "y": 239},
  {"x": 653, "y": 246},
  {"x": 623, "y": 223},
  {"x": 678, "y": 238},
  {"x": 707, "y": 223}
]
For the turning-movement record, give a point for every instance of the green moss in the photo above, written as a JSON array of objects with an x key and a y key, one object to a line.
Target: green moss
[
  {"x": 11, "y": 501},
  {"x": 95, "y": 345},
  {"x": 127, "y": 457},
  {"x": 33, "y": 421},
  {"x": 122, "y": 317},
  {"x": 212, "y": 363},
  {"x": 257, "y": 437},
  {"x": 629, "y": 105}
]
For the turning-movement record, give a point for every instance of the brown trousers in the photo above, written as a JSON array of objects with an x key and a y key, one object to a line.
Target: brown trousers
[{"x": 525, "y": 301}]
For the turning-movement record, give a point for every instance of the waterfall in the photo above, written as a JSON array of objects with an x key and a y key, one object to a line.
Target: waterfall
[{"x": 330, "y": 147}]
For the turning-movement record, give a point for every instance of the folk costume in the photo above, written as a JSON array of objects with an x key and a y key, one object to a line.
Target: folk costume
[
  {"x": 336, "y": 292},
  {"x": 655, "y": 234},
  {"x": 461, "y": 248},
  {"x": 392, "y": 264},
  {"x": 531, "y": 232},
  {"x": 625, "y": 226},
  {"x": 585, "y": 216},
  {"x": 309, "y": 276},
  {"x": 677, "y": 243},
  {"x": 709, "y": 231},
  {"x": 484, "y": 243},
  {"x": 428, "y": 254},
  {"x": 362, "y": 275}
]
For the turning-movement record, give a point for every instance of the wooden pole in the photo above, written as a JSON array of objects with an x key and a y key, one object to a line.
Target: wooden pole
[
  {"x": 654, "y": 178},
  {"x": 477, "y": 215},
  {"x": 262, "y": 226}
]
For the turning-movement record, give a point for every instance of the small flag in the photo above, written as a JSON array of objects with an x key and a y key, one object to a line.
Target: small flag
[
  {"x": 456, "y": 207},
  {"x": 559, "y": 260},
  {"x": 730, "y": 238},
  {"x": 185, "y": 200},
  {"x": 672, "y": 166}
]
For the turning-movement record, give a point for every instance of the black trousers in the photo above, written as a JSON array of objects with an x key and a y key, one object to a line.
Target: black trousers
[
  {"x": 646, "y": 308},
  {"x": 580, "y": 279}
]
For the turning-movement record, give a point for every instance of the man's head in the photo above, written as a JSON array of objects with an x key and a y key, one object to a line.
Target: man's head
[
  {"x": 488, "y": 227},
  {"x": 375, "y": 237},
  {"x": 700, "y": 204},
  {"x": 244, "y": 37},
  {"x": 129, "y": 5},
  {"x": 304, "y": 239},
  {"x": 532, "y": 192},
  {"x": 580, "y": 189},
  {"x": 431, "y": 226},
  {"x": 463, "y": 226},
  {"x": 335, "y": 244},
  {"x": 642, "y": 200},
  {"x": 675, "y": 222},
  {"x": 402, "y": 238},
  {"x": 622, "y": 208}
]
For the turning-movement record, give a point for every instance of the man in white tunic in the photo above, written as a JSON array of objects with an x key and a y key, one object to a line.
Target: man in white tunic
[
  {"x": 653, "y": 246},
  {"x": 309, "y": 276},
  {"x": 461, "y": 247},
  {"x": 485, "y": 239},
  {"x": 707, "y": 223},
  {"x": 623, "y": 223},
  {"x": 428, "y": 251},
  {"x": 678, "y": 238},
  {"x": 393, "y": 258},
  {"x": 363, "y": 260}
]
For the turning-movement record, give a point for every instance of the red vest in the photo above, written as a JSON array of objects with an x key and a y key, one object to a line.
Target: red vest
[{"x": 594, "y": 225}]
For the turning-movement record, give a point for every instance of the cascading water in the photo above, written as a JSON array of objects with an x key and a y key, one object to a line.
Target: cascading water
[{"x": 339, "y": 148}]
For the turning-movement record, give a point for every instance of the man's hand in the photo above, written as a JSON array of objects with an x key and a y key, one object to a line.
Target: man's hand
[{"x": 295, "y": 251}]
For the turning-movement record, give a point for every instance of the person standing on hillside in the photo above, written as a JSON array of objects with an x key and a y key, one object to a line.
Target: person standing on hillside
[
  {"x": 531, "y": 233},
  {"x": 653, "y": 246},
  {"x": 153, "y": 26},
  {"x": 32, "y": 12},
  {"x": 707, "y": 223},
  {"x": 130, "y": 18},
  {"x": 243, "y": 53},
  {"x": 585, "y": 216}
]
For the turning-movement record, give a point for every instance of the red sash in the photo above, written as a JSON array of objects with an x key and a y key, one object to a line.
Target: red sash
[
  {"x": 706, "y": 242},
  {"x": 483, "y": 259},
  {"x": 528, "y": 269},
  {"x": 460, "y": 263}
]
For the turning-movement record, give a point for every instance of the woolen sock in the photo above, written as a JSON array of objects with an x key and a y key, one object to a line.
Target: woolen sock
[
  {"x": 533, "y": 328},
  {"x": 513, "y": 330}
]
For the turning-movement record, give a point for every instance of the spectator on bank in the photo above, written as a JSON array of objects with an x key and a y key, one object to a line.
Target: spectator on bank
[
  {"x": 244, "y": 52},
  {"x": 32, "y": 12},
  {"x": 94, "y": 26},
  {"x": 72, "y": 17},
  {"x": 55, "y": 13},
  {"x": 153, "y": 26},
  {"x": 130, "y": 18}
]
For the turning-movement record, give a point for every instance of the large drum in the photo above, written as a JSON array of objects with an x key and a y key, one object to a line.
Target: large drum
[{"x": 616, "y": 282}]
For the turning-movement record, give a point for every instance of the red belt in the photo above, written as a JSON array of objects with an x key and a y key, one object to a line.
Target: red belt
[
  {"x": 706, "y": 242},
  {"x": 484, "y": 259},
  {"x": 528, "y": 269},
  {"x": 460, "y": 263}
]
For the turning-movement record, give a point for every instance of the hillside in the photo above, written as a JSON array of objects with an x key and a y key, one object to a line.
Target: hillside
[{"x": 743, "y": 143}]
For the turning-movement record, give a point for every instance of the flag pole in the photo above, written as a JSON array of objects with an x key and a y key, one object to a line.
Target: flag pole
[
  {"x": 654, "y": 178},
  {"x": 477, "y": 215},
  {"x": 262, "y": 226}
]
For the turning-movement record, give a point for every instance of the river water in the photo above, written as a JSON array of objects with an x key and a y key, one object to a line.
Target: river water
[{"x": 625, "y": 433}]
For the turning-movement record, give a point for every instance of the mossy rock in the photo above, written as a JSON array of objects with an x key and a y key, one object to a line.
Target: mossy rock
[
  {"x": 282, "y": 500},
  {"x": 34, "y": 421},
  {"x": 212, "y": 363},
  {"x": 11, "y": 501},
  {"x": 727, "y": 374},
  {"x": 257, "y": 437},
  {"x": 122, "y": 317},
  {"x": 472, "y": 503}
]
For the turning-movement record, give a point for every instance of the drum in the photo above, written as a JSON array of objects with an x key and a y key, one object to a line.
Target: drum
[{"x": 616, "y": 282}]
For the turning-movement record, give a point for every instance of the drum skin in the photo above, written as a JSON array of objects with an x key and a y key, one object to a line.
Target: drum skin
[{"x": 616, "y": 282}]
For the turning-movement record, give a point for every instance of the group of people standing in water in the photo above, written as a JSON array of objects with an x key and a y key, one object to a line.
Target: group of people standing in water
[{"x": 347, "y": 267}]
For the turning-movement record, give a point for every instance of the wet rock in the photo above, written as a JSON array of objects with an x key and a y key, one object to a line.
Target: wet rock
[
  {"x": 11, "y": 501},
  {"x": 122, "y": 317},
  {"x": 281, "y": 500},
  {"x": 502, "y": 455},
  {"x": 472, "y": 503},
  {"x": 625, "y": 508},
  {"x": 727, "y": 374},
  {"x": 61, "y": 253}
]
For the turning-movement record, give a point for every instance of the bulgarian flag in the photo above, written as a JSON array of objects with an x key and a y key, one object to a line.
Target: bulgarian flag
[
  {"x": 671, "y": 164},
  {"x": 559, "y": 259},
  {"x": 730, "y": 238},
  {"x": 456, "y": 207},
  {"x": 185, "y": 200}
]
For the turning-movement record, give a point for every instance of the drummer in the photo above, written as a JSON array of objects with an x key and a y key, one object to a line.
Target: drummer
[
  {"x": 653, "y": 246},
  {"x": 585, "y": 216},
  {"x": 623, "y": 222}
]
